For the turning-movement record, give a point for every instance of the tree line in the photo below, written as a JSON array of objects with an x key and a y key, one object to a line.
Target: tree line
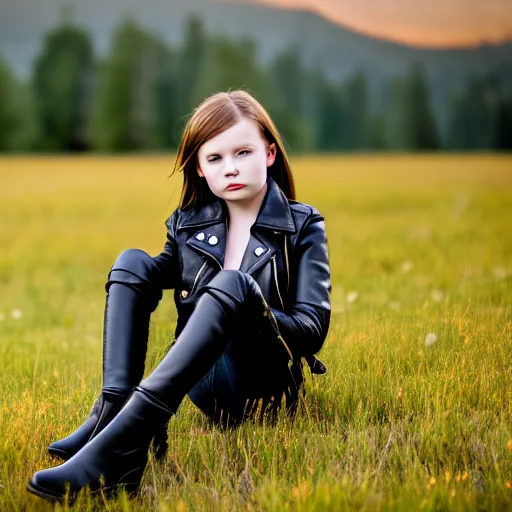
[{"x": 139, "y": 96}]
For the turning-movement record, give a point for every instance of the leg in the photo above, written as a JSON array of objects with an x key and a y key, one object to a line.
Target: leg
[
  {"x": 224, "y": 397},
  {"x": 119, "y": 452},
  {"x": 253, "y": 374},
  {"x": 131, "y": 297}
]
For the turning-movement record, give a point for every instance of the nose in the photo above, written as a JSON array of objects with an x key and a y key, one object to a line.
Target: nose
[{"x": 229, "y": 167}]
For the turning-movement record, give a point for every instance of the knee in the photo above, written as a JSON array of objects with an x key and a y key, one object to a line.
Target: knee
[
  {"x": 239, "y": 286},
  {"x": 135, "y": 262},
  {"x": 133, "y": 267}
]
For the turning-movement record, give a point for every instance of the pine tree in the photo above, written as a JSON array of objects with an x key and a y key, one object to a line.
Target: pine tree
[
  {"x": 410, "y": 120},
  {"x": 330, "y": 118},
  {"x": 62, "y": 87},
  {"x": 480, "y": 117},
  {"x": 355, "y": 113},
  {"x": 11, "y": 123},
  {"x": 133, "y": 97},
  {"x": 190, "y": 61},
  {"x": 288, "y": 80}
]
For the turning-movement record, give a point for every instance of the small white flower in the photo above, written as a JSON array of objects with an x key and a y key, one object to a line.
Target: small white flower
[
  {"x": 394, "y": 304},
  {"x": 500, "y": 272},
  {"x": 352, "y": 297},
  {"x": 460, "y": 204},
  {"x": 407, "y": 266},
  {"x": 430, "y": 339},
  {"x": 421, "y": 233},
  {"x": 437, "y": 295},
  {"x": 16, "y": 314}
]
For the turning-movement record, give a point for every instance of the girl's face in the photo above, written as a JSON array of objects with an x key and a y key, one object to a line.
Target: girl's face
[{"x": 239, "y": 155}]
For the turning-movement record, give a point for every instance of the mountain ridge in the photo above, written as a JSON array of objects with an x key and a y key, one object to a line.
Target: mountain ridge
[{"x": 274, "y": 29}]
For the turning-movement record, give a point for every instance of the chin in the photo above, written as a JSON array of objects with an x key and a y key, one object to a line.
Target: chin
[
  {"x": 245, "y": 194},
  {"x": 238, "y": 195}
]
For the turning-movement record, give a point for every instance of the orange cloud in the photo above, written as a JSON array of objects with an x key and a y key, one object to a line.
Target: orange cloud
[{"x": 432, "y": 23}]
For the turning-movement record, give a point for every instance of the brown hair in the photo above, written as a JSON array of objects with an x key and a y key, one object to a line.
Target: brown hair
[{"x": 213, "y": 116}]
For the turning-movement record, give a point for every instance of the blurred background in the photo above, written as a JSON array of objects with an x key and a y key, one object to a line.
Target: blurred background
[{"x": 123, "y": 75}]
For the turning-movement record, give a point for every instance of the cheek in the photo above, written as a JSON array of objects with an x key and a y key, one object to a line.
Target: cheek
[
  {"x": 211, "y": 179},
  {"x": 256, "y": 165}
]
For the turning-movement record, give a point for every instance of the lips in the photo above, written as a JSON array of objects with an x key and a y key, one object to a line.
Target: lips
[{"x": 235, "y": 186}]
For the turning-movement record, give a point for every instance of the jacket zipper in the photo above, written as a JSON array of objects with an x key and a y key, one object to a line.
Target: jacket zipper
[
  {"x": 197, "y": 277},
  {"x": 276, "y": 327},
  {"x": 273, "y": 322},
  {"x": 287, "y": 264},
  {"x": 280, "y": 338},
  {"x": 275, "y": 279},
  {"x": 208, "y": 255}
]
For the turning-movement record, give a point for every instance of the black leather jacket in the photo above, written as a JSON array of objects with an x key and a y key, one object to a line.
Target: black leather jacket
[{"x": 287, "y": 255}]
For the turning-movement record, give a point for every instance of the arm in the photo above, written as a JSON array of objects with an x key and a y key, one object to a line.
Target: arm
[
  {"x": 167, "y": 262},
  {"x": 305, "y": 323}
]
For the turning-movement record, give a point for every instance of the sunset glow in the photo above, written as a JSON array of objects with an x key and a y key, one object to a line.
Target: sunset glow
[{"x": 434, "y": 23}]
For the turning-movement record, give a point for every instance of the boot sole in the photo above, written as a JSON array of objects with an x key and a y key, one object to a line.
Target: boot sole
[
  {"x": 109, "y": 492},
  {"x": 45, "y": 493}
]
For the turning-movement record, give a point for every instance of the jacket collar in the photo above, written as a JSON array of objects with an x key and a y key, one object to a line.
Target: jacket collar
[{"x": 274, "y": 213}]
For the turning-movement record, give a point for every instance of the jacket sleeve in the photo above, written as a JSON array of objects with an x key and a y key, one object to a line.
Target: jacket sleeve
[
  {"x": 304, "y": 324},
  {"x": 167, "y": 262}
]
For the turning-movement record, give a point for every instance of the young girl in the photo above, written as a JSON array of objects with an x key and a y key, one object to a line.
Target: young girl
[{"x": 250, "y": 270}]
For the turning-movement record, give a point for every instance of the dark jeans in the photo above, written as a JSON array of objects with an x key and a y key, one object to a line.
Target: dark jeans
[
  {"x": 217, "y": 394},
  {"x": 233, "y": 391}
]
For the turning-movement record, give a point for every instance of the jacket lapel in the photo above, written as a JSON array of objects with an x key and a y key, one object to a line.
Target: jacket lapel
[
  {"x": 259, "y": 250},
  {"x": 275, "y": 211},
  {"x": 210, "y": 241},
  {"x": 208, "y": 225},
  {"x": 274, "y": 219}
]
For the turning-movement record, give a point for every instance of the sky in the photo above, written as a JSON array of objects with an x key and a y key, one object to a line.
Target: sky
[{"x": 431, "y": 23}]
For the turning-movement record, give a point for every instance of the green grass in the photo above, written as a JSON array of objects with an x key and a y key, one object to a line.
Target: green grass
[{"x": 418, "y": 245}]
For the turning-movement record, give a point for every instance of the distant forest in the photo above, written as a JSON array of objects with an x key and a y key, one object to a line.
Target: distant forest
[{"x": 139, "y": 97}]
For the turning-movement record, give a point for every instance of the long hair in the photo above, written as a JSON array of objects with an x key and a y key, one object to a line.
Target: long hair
[{"x": 213, "y": 116}]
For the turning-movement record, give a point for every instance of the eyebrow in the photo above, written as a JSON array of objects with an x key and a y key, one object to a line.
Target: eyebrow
[{"x": 238, "y": 148}]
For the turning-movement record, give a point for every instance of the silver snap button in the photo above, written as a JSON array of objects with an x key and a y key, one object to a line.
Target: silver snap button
[
  {"x": 200, "y": 236},
  {"x": 213, "y": 240},
  {"x": 259, "y": 251}
]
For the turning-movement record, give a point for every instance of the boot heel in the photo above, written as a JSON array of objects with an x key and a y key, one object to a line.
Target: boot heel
[
  {"x": 101, "y": 414},
  {"x": 116, "y": 457},
  {"x": 160, "y": 443}
]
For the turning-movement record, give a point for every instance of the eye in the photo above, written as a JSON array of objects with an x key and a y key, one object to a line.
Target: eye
[
  {"x": 244, "y": 152},
  {"x": 213, "y": 158}
]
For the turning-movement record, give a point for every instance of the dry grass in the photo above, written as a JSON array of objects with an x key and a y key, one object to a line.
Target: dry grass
[{"x": 419, "y": 246}]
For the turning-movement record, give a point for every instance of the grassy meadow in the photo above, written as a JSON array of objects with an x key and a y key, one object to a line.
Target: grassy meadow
[{"x": 415, "y": 412}]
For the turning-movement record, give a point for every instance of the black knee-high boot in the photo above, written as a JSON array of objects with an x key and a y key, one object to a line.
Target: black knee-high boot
[
  {"x": 119, "y": 453},
  {"x": 125, "y": 338}
]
